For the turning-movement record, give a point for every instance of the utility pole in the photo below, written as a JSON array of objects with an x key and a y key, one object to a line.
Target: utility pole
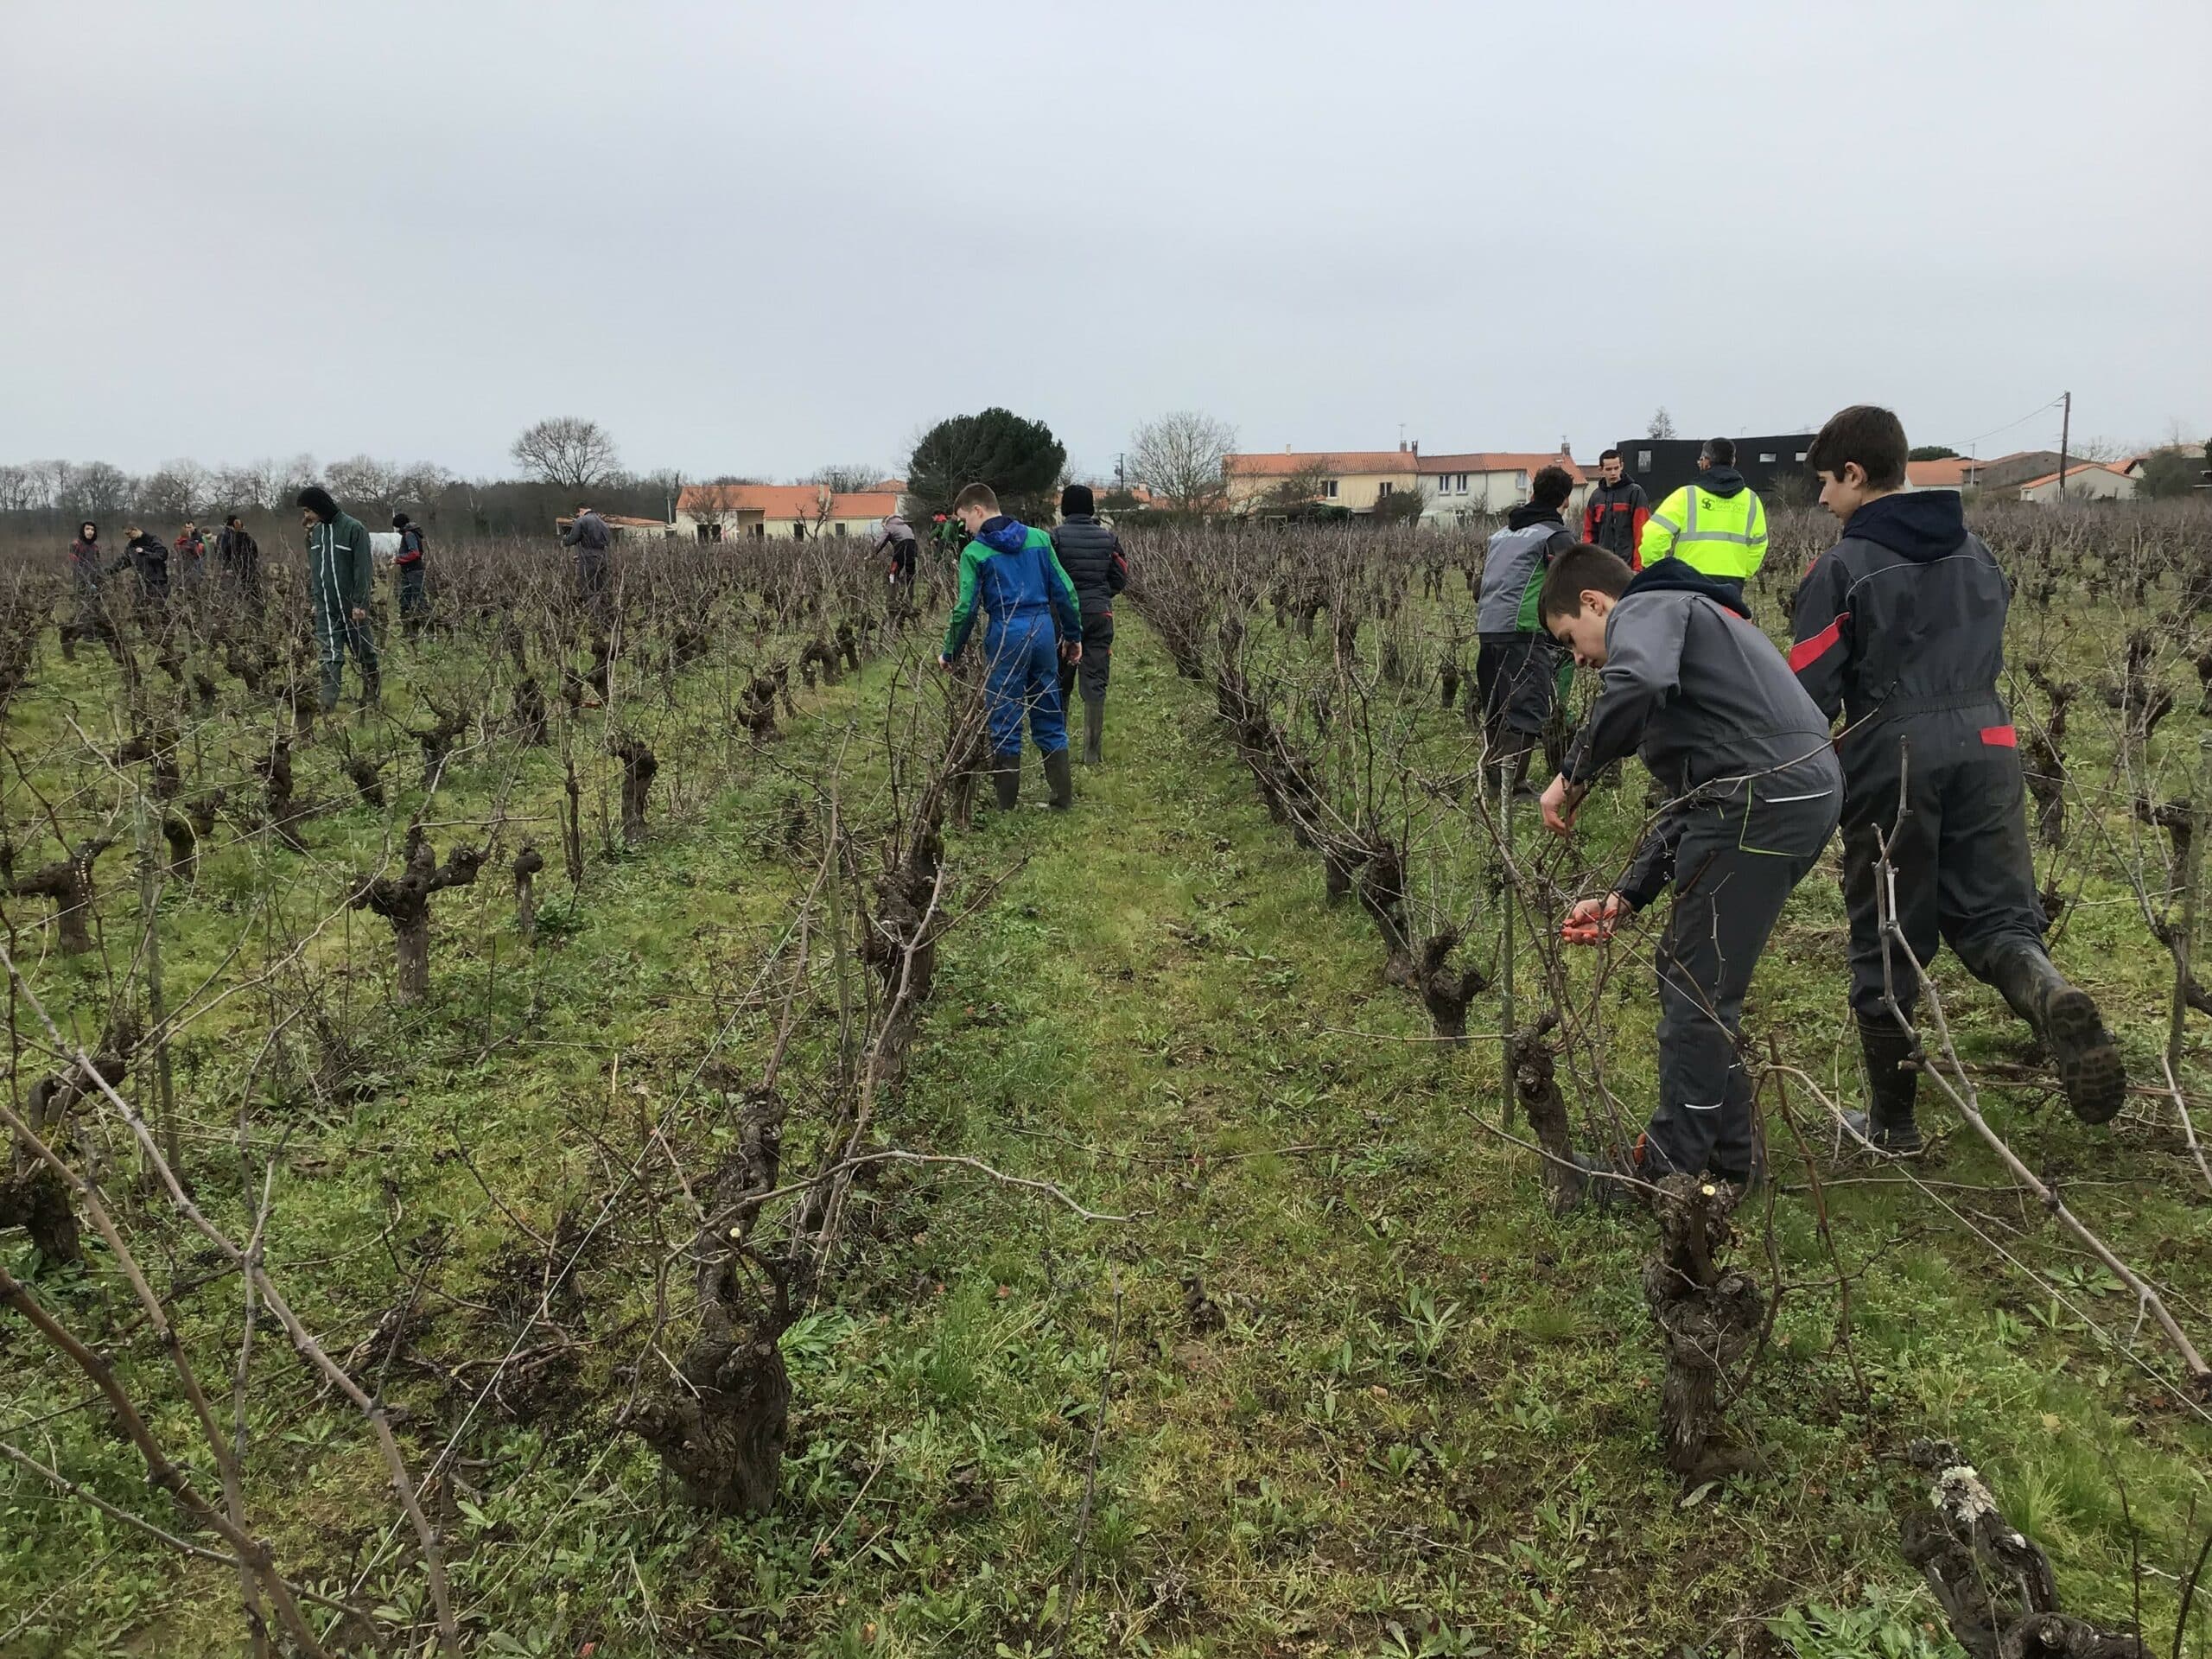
[{"x": 2065, "y": 431}]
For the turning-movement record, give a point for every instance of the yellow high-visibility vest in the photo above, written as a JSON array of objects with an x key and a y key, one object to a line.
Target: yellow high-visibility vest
[{"x": 1719, "y": 535}]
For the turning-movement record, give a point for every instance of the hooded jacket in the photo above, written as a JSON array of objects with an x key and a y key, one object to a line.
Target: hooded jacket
[
  {"x": 87, "y": 564},
  {"x": 1513, "y": 571},
  {"x": 1013, "y": 573},
  {"x": 236, "y": 551},
  {"x": 895, "y": 528},
  {"x": 340, "y": 572},
  {"x": 1717, "y": 525},
  {"x": 1710, "y": 705},
  {"x": 149, "y": 558},
  {"x": 1905, "y": 615},
  {"x": 1092, "y": 555}
]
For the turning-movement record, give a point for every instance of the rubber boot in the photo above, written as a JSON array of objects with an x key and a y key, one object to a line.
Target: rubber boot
[
  {"x": 1058, "y": 774},
  {"x": 1522, "y": 756},
  {"x": 1892, "y": 1082},
  {"x": 1006, "y": 779},
  {"x": 1094, "y": 731},
  {"x": 2089, "y": 1066},
  {"x": 1608, "y": 1180}
]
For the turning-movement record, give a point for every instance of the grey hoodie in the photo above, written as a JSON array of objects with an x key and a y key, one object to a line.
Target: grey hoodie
[{"x": 1703, "y": 695}]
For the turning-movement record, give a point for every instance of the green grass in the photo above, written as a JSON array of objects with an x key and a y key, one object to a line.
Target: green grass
[{"x": 1423, "y": 1422}]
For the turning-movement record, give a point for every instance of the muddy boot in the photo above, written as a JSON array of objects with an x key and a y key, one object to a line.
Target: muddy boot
[
  {"x": 1062, "y": 779},
  {"x": 1887, "y": 1125},
  {"x": 1094, "y": 731},
  {"x": 1006, "y": 780},
  {"x": 2089, "y": 1066}
]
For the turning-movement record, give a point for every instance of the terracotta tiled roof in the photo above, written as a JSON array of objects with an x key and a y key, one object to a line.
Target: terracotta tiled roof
[
  {"x": 628, "y": 523},
  {"x": 2073, "y": 472},
  {"x": 1499, "y": 461},
  {"x": 1946, "y": 474},
  {"x": 785, "y": 501},
  {"x": 1352, "y": 461}
]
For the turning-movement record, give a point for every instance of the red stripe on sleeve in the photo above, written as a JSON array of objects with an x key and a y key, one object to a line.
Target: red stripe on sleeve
[{"x": 1806, "y": 652}]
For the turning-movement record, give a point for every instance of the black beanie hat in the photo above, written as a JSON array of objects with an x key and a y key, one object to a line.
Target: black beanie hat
[
  {"x": 316, "y": 500},
  {"x": 1074, "y": 499},
  {"x": 399, "y": 521}
]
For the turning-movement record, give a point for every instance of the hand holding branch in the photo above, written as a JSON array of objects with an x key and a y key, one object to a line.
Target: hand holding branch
[{"x": 1562, "y": 800}]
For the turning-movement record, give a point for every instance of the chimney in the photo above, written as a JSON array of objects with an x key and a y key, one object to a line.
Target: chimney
[
  {"x": 1401, "y": 446},
  {"x": 1285, "y": 448},
  {"x": 1416, "y": 448},
  {"x": 1566, "y": 450}
]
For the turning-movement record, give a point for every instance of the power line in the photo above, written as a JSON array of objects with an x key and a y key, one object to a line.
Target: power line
[{"x": 2041, "y": 409}]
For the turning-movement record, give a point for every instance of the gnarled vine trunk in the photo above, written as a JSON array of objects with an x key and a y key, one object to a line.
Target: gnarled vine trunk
[
  {"x": 722, "y": 1431},
  {"x": 1709, "y": 1316}
]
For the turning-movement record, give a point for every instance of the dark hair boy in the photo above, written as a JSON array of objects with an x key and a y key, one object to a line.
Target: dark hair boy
[
  {"x": 1900, "y": 629},
  {"x": 1687, "y": 681}
]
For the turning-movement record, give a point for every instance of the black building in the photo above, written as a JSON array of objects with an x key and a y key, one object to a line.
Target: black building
[{"x": 1664, "y": 464}]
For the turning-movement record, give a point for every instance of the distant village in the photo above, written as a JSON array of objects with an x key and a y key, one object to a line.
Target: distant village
[{"x": 1450, "y": 488}]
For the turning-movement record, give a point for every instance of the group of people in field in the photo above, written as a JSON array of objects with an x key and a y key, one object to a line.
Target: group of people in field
[{"x": 1898, "y": 632}]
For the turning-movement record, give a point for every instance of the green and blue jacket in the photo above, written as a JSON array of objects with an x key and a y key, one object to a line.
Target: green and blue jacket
[{"x": 1011, "y": 571}]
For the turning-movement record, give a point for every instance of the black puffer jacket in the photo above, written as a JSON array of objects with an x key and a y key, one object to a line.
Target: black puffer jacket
[{"x": 1092, "y": 555}]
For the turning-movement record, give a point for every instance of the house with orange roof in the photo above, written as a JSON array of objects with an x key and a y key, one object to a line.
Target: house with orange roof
[
  {"x": 1491, "y": 481},
  {"x": 1960, "y": 472},
  {"x": 2088, "y": 480},
  {"x": 719, "y": 513},
  {"x": 1353, "y": 479}
]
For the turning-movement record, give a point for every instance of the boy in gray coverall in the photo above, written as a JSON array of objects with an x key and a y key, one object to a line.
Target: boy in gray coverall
[{"x": 1754, "y": 793}]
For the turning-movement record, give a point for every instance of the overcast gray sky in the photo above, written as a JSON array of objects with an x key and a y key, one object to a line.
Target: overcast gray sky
[{"x": 757, "y": 238}]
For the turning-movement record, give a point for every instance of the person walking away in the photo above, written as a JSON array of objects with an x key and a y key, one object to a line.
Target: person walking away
[
  {"x": 88, "y": 566},
  {"x": 1092, "y": 555},
  {"x": 1716, "y": 525},
  {"x": 188, "y": 556},
  {"x": 148, "y": 557},
  {"x": 589, "y": 534},
  {"x": 237, "y": 556},
  {"x": 1614, "y": 515},
  {"x": 1011, "y": 572},
  {"x": 1900, "y": 629},
  {"x": 340, "y": 577},
  {"x": 896, "y": 536},
  {"x": 1516, "y": 666},
  {"x": 1755, "y": 792},
  {"x": 414, "y": 603}
]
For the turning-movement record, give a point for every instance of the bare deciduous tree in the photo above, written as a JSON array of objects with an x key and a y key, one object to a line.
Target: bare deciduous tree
[
  {"x": 568, "y": 451},
  {"x": 1180, "y": 457},
  {"x": 176, "y": 489},
  {"x": 363, "y": 481},
  {"x": 1662, "y": 423},
  {"x": 847, "y": 478},
  {"x": 92, "y": 488}
]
